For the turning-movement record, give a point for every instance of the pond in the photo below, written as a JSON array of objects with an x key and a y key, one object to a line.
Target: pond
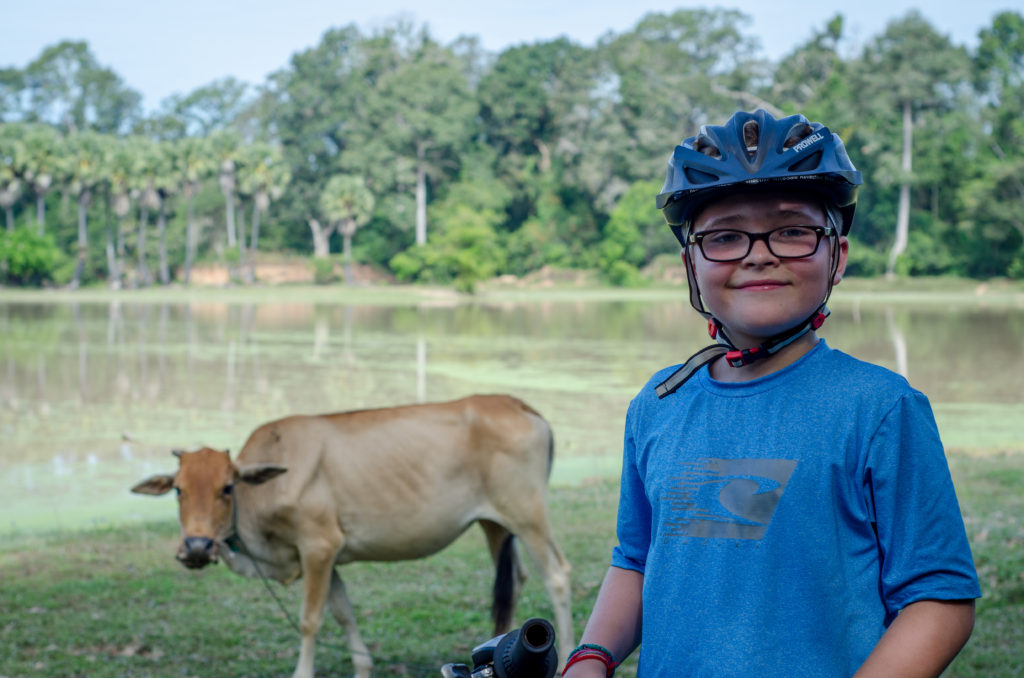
[{"x": 94, "y": 396}]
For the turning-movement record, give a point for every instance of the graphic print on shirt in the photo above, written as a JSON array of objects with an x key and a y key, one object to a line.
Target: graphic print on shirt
[{"x": 727, "y": 498}]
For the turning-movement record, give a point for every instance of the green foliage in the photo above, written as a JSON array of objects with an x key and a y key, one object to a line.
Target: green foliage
[
  {"x": 928, "y": 252},
  {"x": 346, "y": 199},
  {"x": 624, "y": 274},
  {"x": 323, "y": 271},
  {"x": 29, "y": 259},
  {"x": 466, "y": 251},
  {"x": 622, "y": 250},
  {"x": 1016, "y": 268},
  {"x": 551, "y": 142},
  {"x": 864, "y": 261},
  {"x": 71, "y": 90}
]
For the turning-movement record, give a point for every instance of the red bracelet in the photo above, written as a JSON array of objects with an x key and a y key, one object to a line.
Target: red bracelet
[{"x": 590, "y": 651}]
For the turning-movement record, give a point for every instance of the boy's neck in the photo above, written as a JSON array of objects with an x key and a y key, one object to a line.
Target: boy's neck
[{"x": 720, "y": 370}]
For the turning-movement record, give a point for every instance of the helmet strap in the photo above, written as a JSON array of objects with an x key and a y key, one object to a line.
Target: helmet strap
[{"x": 740, "y": 357}]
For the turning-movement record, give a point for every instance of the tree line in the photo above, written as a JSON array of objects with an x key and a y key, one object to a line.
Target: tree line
[{"x": 450, "y": 164}]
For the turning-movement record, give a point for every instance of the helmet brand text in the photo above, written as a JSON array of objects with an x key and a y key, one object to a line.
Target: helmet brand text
[{"x": 814, "y": 138}]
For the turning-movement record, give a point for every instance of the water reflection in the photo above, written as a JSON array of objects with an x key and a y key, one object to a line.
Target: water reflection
[
  {"x": 899, "y": 342},
  {"x": 77, "y": 378}
]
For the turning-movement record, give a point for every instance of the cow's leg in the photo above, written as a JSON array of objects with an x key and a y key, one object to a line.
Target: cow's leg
[
  {"x": 508, "y": 583},
  {"x": 536, "y": 536},
  {"x": 342, "y": 609},
  {"x": 317, "y": 558}
]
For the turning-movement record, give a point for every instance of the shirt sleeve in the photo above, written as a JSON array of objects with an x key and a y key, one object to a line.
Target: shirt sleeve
[
  {"x": 634, "y": 518},
  {"x": 924, "y": 547}
]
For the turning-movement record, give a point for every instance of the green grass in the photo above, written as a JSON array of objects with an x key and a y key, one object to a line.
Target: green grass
[
  {"x": 113, "y": 602},
  {"x": 991, "y": 490}
]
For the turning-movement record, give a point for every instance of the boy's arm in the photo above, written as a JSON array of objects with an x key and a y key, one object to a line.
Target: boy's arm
[
  {"x": 615, "y": 622},
  {"x": 922, "y": 640}
]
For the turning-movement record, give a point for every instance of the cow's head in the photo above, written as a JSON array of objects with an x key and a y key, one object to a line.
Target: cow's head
[{"x": 205, "y": 485}]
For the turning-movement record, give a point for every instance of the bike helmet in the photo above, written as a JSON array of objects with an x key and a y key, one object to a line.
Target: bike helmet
[
  {"x": 754, "y": 150},
  {"x": 751, "y": 152}
]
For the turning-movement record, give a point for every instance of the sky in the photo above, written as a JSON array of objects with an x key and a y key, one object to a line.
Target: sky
[{"x": 166, "y": 48}]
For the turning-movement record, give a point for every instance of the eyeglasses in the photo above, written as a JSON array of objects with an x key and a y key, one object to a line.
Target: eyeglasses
[{"x": 786, "y": 242}]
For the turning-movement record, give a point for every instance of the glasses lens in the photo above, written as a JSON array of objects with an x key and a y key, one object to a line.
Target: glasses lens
[
  {"x": 793, "y": 241},
  {"x": 725, "y": 245}
]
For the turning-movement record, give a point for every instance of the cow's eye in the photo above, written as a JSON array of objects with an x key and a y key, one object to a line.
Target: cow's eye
[
  {"x": 177, "y": 491},
  {"x": 227, "y": 490}
]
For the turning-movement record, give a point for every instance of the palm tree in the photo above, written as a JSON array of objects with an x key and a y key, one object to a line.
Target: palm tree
[
  {"x": 143, "y": 190},
  {"x": 10, "y": 184},
  {"x": 10, "y": 191},
  {"x": 194, "y": 163},
  {"x": 30, "y": 153},
  {"x": 263, "y": 176},
  {"x": 121, "y": 167},
  {"x": 86, "y": 168},
  {"x": 165, "y": 186},
  {"x": 226, "y": 144},
  {"x": 348, "y": 204},
  {"x": 41, "y": 149}
]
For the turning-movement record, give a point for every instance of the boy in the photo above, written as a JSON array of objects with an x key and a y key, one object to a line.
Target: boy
[{"x": 785, "y": 509}]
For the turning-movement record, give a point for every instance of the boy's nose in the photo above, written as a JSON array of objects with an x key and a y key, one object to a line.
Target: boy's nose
[{"x": 759, "y": 252}]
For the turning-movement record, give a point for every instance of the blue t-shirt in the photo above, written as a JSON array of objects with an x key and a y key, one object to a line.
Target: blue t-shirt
[{"x": 781, "y": 523}]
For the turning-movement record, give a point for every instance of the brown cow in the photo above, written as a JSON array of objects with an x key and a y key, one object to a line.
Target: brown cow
[{"x": 308, "y": 493}]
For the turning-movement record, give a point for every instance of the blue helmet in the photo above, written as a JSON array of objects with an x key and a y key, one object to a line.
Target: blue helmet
[{"x": 751, "y": 151}]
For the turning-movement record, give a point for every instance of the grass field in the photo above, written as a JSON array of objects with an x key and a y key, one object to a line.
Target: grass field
[{"x": 115, "y": 603}]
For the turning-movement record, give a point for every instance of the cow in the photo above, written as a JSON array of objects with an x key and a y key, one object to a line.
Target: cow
[{"x": 310, "y": 492}]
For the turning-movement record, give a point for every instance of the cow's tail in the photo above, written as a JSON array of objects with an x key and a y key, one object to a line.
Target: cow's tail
[
  {"x": 505, "y": 581},
  {"x": 551, "y": 450}
]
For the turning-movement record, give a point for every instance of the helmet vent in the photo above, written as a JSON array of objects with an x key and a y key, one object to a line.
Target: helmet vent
[
  {"x": 704, "y": 145},
  {"x": 695, "y": 176},
  {"x": 797, "y": 133},
  {"x": 807, "y": 163},
  {"x": 751, "y": 132}
]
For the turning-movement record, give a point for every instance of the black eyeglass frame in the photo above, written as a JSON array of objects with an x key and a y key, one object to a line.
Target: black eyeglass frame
[{"x": 820, "y": 231}]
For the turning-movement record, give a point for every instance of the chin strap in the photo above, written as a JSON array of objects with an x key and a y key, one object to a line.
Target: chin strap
[
  {"x": 689, "y": 368},
  {"x": 740, "y": 357},
  {"x": 734, "y": 356}
]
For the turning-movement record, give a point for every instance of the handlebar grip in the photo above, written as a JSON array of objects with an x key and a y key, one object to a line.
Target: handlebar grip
[{"x": 528, "y": 652}]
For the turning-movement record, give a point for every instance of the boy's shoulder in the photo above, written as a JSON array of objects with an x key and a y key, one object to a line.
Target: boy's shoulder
[{"x": 852, "y": 371}]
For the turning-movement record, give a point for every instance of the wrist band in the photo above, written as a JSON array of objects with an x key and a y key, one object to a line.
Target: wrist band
[{"x": 593, "y": 651}]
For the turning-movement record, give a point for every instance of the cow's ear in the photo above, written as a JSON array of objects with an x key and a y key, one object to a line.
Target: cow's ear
[
  {"x": 259, "y": 473},
  {"x": 155, "y": 485}
]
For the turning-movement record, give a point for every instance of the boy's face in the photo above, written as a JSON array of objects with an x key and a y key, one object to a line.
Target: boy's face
[{"x": 763, "y": 295}]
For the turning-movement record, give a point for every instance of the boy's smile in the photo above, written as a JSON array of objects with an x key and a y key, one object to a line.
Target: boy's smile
[{"x": 762, "y": 295}]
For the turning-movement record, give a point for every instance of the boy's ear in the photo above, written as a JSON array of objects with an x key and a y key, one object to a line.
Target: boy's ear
[
  {"x": 688, "y": 263},
  {"x": 844, "y": 250}
]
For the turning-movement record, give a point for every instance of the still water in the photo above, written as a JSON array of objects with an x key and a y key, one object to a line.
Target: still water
[{"x": 93, "y": 396}]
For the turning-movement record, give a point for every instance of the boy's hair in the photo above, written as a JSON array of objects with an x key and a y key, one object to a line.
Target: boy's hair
[{"x": 753, "y": 151}]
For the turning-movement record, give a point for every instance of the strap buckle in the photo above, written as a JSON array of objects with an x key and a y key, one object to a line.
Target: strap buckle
[{"x": 745, "y": 357}]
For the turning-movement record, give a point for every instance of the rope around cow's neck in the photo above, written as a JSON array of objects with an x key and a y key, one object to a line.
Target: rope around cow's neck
[{"x": 236, "y": 544}]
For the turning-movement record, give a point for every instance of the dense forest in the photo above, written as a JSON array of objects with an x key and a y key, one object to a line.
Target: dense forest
[{"x": 449, "y": 164}]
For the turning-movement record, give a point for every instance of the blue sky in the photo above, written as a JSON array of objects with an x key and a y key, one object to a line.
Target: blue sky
[{"x": 164, "y": 48}]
